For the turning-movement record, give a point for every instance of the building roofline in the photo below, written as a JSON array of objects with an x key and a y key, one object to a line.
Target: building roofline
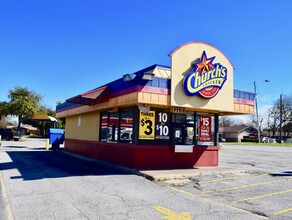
[{"x": 176, "y": 49}]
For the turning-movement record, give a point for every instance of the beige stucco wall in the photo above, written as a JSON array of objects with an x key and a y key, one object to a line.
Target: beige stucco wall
[
  {"x": 181, "y": 63},
  {"x": 83, "y": 126},
  {"x": 154, "y": 99}
]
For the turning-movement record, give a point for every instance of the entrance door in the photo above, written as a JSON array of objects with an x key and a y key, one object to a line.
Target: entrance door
[
  {"x": 183, "y": 129},
  {"x": 178, "y": 135},
  {"x": 189, "y": 135}
]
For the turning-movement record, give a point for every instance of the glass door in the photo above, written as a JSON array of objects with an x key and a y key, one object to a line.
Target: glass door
[
  {"x": 189, "y": 135},
  {"x": 183, "y": 129},
  {"x": 177, "y": 135}
]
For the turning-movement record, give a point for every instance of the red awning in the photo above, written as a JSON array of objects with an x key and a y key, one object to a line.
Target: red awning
[{"x": 91, "y": 97}]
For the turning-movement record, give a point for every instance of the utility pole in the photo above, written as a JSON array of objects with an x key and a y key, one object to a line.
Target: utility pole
[
  {"x": 281, "y": 116},
  {"x": 257, "y": 111}
]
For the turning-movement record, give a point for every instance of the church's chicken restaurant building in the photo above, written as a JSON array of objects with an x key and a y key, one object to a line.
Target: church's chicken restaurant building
[{"x": 158, "y": 117}]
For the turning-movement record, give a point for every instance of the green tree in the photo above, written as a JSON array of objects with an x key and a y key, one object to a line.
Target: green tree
[
  {"x": 42, "y": 125},
  {"x": 23, "y": 103}
]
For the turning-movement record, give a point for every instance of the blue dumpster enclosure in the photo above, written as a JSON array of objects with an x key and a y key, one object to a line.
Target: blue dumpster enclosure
[{"x": 56, "y": 137}]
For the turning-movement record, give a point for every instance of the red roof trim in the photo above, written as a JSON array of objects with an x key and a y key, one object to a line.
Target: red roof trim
[
  {"x": 91, "y": 97},
  {"x": 93, "y": 94}
]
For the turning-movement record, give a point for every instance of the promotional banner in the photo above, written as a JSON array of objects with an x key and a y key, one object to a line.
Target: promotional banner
[
  {"x": 147, "y": 125},
  {"x": 162, "y": 125},
  {"x": 205, "y": 133}
]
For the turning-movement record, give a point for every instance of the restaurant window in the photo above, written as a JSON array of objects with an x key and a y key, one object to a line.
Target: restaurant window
[
  {"x": 109, "y": 126},
  {"x": 113, "y": 126},
  {"x": 117, "y": 126},
  {"x": 103, "y": 130},
  {"x": 236, "y": 94},
  {"x": 178, "y": 118},
  {"x": 126, "y": 125},
  {"x": 183, "y": 128}
]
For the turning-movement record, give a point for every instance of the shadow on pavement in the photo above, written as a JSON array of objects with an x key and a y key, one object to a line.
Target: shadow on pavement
[
  {"x": 33, "y": 165},
  {"x": 17, "y": 147},
  {"x": 286, "y": 173}
]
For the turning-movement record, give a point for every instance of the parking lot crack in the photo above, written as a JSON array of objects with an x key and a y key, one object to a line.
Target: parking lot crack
[
  {"x": 196, "y": 184},
  {"x": 259, "y": 213}
]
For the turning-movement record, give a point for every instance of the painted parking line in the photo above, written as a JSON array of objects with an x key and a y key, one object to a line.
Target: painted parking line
[
  {"x": 5, "y": 197},
  {"x": 262, "y": 196},
  {"x": 181, "y": 191},
  {"x": 231, "y": 178},
  {"x": 212, "y": 201},
  {"x": 245, "y": 186},
  {"x": 172, "y": 215},
  {"x": 283, "y": 211}
]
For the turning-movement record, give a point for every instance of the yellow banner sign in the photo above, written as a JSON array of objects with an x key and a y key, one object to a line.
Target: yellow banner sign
[{"x": 147, "y": 125}]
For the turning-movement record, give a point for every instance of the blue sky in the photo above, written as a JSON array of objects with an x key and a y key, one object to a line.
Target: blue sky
[{"x": 61, "y": 48}]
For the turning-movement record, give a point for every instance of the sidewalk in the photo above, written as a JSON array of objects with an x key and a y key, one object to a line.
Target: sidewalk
[
  {"x": 162, "y": 175},
  {"x": 154, "y": 175}
]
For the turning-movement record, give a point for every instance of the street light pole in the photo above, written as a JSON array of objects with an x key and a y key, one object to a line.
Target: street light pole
[
  {"x": 281, "y": 116},
  {"x": 257, "y": 111}
]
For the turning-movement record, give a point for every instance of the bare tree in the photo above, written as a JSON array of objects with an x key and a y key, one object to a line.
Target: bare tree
[
  {"x": 280, "y": 108},
  {"x": 226, "y": 121}
]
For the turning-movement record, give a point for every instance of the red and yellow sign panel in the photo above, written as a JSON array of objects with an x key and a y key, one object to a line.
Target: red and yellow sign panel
[
  {"x": 205, "y": 132},
  {"x": 201, "y": 78},
  {"x": 205, "y": 78}
]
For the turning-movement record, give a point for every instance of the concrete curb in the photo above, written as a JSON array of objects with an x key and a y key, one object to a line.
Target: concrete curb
[{"x": 180, "y": 174}]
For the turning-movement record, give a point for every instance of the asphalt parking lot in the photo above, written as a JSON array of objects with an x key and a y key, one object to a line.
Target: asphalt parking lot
[
  {"x": 254, "y": 192},
  {"x": 250, "y": 183},
  {"x": 261, "y": 182}
]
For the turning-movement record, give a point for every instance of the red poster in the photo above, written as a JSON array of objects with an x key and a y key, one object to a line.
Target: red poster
[{"x": 205, "y": 133}]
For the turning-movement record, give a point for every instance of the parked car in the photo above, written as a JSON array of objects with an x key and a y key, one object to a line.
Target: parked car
[
  {"x": 6, "y": 134},
  {"x": 126, "y": 136},
  {"x": 265, "y": 139},
  {"x": 250, "y": 138},
  {"x": 17, "y": 135},
  {"x": 222, "y": 139},
  {"x": 280, "y": 140}
]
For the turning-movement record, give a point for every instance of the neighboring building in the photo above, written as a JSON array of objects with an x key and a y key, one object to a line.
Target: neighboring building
[
  {"x": 25, "y": 129},
  {"x": 158, "y": 117},
  {"x": 236, "y": 133},
  {"x": 284, "y": 134}
]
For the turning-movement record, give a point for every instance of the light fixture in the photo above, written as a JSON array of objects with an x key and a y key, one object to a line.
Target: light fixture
[
  {"x": 148, "y": 76},
  {"x": 144, "y": 108},
  {"x": 128, "y": 77}
]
